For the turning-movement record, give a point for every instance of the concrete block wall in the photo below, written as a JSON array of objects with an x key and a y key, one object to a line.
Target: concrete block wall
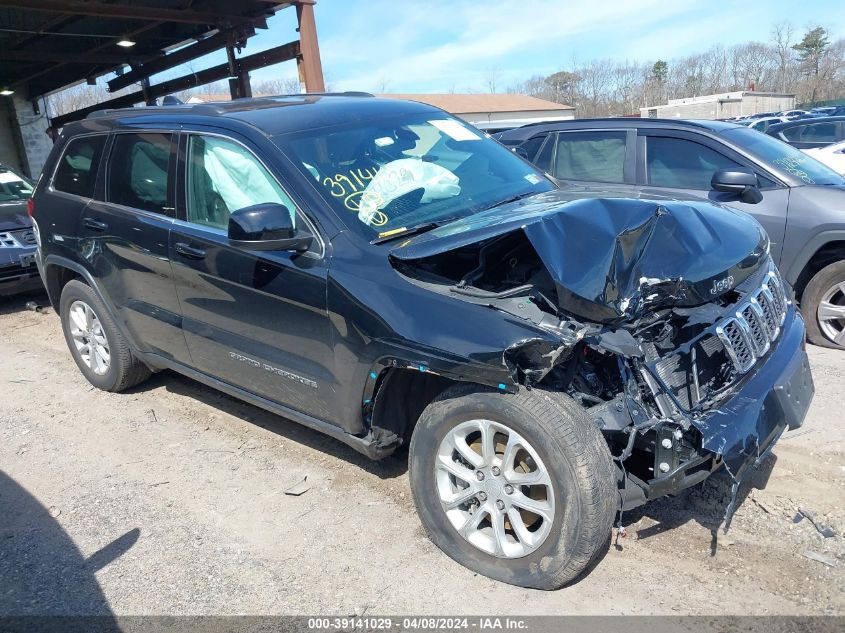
[{"x": 26, "y": 144}]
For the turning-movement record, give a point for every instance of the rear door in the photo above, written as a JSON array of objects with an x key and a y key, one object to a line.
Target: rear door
[
  {"x": 254, "y": 319},
  {"x": 681, "y": 164},
  {"x": 68, "y": 192},
  {"x": 123, "y": 238}
]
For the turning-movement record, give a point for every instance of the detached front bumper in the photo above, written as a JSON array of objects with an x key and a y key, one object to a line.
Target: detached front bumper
[
  {"x": 772, "y": 398},
  {"x": 775, "y": 397}
]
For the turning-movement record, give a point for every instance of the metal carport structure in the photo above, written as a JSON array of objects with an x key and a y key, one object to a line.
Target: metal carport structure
[{"x": 47, "y": 45}]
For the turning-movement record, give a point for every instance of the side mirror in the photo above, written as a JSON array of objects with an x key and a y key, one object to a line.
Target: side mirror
[
  {"x": 267, "y": 227},
  {"x": 739, "y": 182},
  {"x": 521, "y": 151}
]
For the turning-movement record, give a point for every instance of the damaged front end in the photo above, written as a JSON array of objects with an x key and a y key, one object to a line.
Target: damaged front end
[{"x": 667, "y": 321}]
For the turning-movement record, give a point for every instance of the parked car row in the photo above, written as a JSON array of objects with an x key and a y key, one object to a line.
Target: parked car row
[
  {"x": 809, "y": 133},
  {"x": 798, "y": 200},
  {"x": 831, "y": 155},
  {"x": 789, "y": 115}
]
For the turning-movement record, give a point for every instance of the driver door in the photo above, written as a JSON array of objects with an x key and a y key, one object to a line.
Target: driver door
[
  {"x": 253, "y": 319},
  {"x": 681, "y": 165}
]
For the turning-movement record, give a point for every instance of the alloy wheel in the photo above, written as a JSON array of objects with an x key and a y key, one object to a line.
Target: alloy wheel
[
  {"x": 88, "y": 336},
  {"x": 831, "y": 313},
  {"x": 494, "y": 488}
]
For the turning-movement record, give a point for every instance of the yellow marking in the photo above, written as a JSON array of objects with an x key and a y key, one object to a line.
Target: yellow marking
[{"x": 393, "y": 231}]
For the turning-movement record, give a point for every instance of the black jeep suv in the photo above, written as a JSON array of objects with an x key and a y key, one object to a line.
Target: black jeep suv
[{"x": 384, "y": 273}]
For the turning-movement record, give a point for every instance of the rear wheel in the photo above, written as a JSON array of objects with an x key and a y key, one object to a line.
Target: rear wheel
[
  {"x": 823, "y": 306},
  {"x": 518, "y": 487},
  {"x": 100, "y": 350}
]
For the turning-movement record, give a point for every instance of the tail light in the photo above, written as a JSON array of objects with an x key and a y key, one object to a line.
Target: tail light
[{"x": 30, "y": 207}]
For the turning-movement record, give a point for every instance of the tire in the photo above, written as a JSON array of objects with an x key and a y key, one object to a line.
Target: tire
[
  {"x": 579, "y": 467},
  {"x": 830, "y": 279},
  {"x": 121, "y": 370}
]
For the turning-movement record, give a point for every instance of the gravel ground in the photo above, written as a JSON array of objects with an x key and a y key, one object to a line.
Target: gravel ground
[{"x": 169, "y": 499}]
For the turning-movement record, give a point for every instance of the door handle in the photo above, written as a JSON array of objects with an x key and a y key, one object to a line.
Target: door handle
[
  {"x": 189, "y": 251},
  {"x": 95, "y": 225}
]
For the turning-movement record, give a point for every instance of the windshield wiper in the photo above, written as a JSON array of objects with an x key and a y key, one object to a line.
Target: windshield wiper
[
  {"x": 519, "y": 196},
  {"x": 395, "y": 234}
]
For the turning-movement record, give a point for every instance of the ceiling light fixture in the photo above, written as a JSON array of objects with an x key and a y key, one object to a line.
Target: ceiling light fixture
[
  {"x": 125, "y": 43},
  {"x": 6, "y": 92}
]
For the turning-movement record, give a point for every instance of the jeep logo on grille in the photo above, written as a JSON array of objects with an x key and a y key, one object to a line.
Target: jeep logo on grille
[{"x": 720, "y": 285}]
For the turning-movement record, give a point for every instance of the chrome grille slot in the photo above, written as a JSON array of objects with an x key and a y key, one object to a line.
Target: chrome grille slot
[
  {"x": 775, "y": 288},
  {"x": 737, "y": 343},
  {"x": 757, "y": 329},
  {"x": 767, "y": 304}
]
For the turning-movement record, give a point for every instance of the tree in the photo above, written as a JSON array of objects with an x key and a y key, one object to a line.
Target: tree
[
  {"x": 811, "y": 49},
  {"x": 491, "y": 79},
  {"x": 811, "y": 52},
  {"x": 562, "y": 87},
  {"x": 782, "y": 42},
  {"x": 290, "y": 86},
  {"x": 659, "y": 71}
]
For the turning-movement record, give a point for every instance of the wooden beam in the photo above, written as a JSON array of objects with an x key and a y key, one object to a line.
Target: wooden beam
[
  {"x": 246, "y": 64},
  {"x": 132, "y": 12},
  {"x": 183, "y": 55},
  {"x": 310, "y": 66}
]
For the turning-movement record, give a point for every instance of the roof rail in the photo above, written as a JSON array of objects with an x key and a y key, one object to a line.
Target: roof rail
[{"x": 219, "y": 107}]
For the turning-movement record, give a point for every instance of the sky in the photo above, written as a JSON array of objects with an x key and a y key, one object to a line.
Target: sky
[{"x": 424, "y": 46}]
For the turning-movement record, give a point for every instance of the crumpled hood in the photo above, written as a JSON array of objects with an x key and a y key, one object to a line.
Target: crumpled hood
[
  {"x": 13, "y": 216},
  {"x": 614, "y": 257}
]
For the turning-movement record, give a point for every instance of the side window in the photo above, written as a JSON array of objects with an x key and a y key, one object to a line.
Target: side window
[
  {"x": 544, "y": 158},
  {"x": 819, "y": 133},
  {"x": 682, "y": 164},
  {"x": 223, "y": 176},
  {"x": 591, "y": 156},
  {"x": 138, "y": 171},
  {"x": 76, "y": 172},
  {"x": 793, "y": 133},
  {"x": 532, "y": 146}
]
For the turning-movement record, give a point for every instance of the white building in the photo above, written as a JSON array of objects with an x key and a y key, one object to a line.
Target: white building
[{"x": 721, "y": 106}]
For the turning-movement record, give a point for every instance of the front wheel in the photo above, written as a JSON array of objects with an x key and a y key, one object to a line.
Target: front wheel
[
  {"x": 823, "y": 306},
  {"x": 518, "y": 487}
]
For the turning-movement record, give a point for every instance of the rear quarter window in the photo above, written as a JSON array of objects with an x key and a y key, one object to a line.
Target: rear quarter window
[{"x": 76, "y": 172}]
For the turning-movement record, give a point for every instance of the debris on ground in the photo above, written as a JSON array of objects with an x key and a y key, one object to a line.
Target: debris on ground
[
  {"x": 825, "y": 530},
  {"x": 34, "y": 307},
  {"x": 821, "y": 558},
  {"x": 299, "y": 488}
]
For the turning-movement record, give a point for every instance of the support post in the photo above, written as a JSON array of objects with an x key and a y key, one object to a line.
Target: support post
[{"x": 310, "y": 68}]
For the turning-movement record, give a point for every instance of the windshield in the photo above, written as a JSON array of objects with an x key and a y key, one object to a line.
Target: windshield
[
  {"x": 400, "y": 172},
  {"x": 13, "y": 187},
  {"x": 784, "y": 158}
]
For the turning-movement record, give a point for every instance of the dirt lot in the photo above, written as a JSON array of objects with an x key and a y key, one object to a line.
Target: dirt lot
[{"x": 170, "y": 500}]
